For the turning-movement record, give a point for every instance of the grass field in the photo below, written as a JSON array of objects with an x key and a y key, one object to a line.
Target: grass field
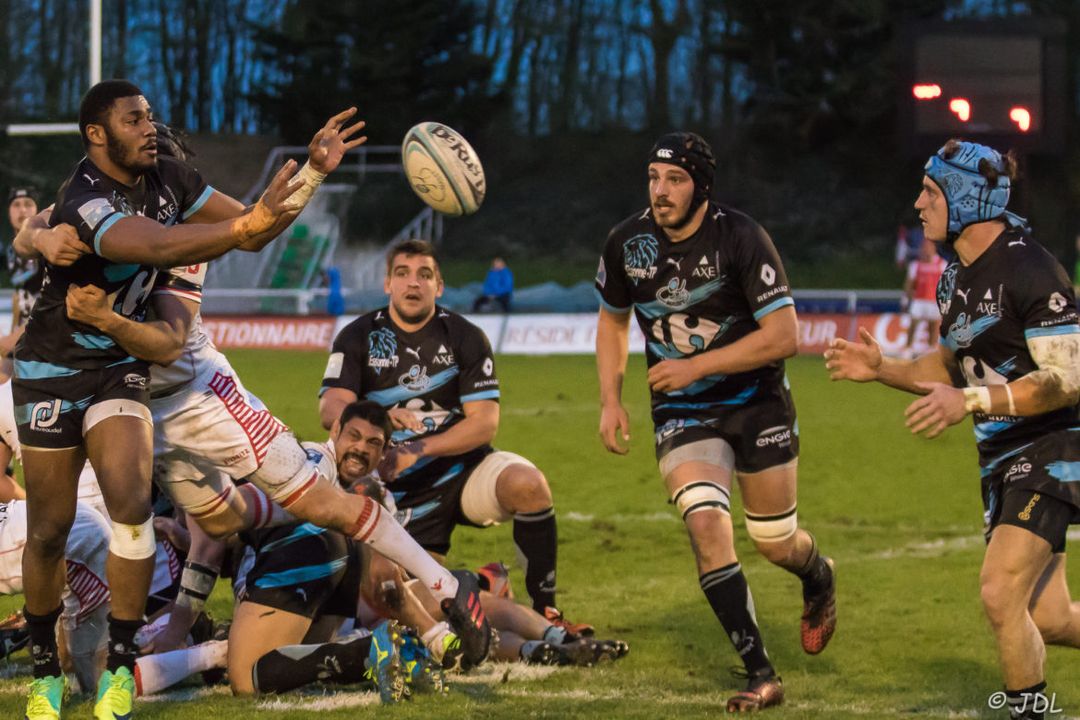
[{"x": 900, "y": 515}]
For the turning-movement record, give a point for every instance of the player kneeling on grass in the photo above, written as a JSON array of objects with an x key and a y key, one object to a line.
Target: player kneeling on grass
[{"x": 1008, "y": 357}]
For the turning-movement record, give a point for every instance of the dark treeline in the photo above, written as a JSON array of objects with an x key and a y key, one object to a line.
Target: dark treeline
[{"x": 798, "y": 96}]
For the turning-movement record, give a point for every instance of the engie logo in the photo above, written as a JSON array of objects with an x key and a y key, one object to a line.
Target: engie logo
[
  {"x": 45, "y": 414},
  {"x": 779, "y": 435}
]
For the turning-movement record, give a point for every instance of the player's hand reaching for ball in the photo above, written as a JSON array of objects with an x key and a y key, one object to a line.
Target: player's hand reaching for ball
[
  {"x": 332, "y": 142},
  {"x": 858, "y": 361},
  {"x": 615, "y": 424},
  {"x": 88, "y": 305},
  {"x": 273, "y": 204}
]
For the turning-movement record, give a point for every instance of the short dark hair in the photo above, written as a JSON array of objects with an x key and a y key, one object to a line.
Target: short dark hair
[
  {"x": 414, "y": 246},
  {"x": 98, "y": 101},
  {"x": 370, "y": 411}
]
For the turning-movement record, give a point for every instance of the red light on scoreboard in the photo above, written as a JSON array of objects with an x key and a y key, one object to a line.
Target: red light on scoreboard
[
  {"x": 926, "y": 92},
  {"x": 961, "y": 108},
  {"x": 1022, "y": 117}
]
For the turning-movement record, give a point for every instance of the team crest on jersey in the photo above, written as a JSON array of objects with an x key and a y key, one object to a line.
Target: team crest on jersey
[
  {"x": 946, "y": 288},
  {"x": 963, "y": 332},
  {"x": 382, "y": 350},
  {"x": 639, "y": 257},
  {"x": 416, "y": 379},
  {"x": 674, "y": 294}
]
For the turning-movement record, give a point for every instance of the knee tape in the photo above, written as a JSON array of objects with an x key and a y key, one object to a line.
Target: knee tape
[
  {"x": 772, "y": 528},
  {"x": 133, "y": 542},
  {"x": 288, "y": 470},
  {"x": 701, "y": 495}
]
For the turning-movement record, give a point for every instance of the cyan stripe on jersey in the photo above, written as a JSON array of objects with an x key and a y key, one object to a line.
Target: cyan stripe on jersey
[
  {"x": 92, "y": 342},
  {"x": 1049, "y": 331},
  {"x": 422, "y": 462},
  {"x": 299, "y": 575},
  {"x": 109, "y": 222},
  {"x": 698, "y": 386},
  {"x": 34, "y": 370},
  {"x": 199, "y": 202},
  {"x": 116, "y": 273},
  {"x": 741, "y": 399},
  {"x": 773, "y": 307},
  {"x": 449, "y": 475},
  {"x": 392, "y": 396},
  {"x": 993, "y": 464},
  {"x": 485, "y": 395},
  {"x": 125, "y": 361},
  {"x": 421, "y": 510},
  {"x": 610, "y": 308},
  {"x": 1064, "y": 471},
  {"x": 987, "y": 430},
  {"x": 304, "y": 531}
]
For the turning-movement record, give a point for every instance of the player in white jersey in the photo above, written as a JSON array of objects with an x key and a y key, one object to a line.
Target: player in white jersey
[{"x": 210, "y": 428}]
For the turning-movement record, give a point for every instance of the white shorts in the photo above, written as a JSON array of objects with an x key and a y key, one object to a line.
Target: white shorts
[
  {"x": 208, "y": 432},
  {"x": 924, "y": 310},
  {"x": 478, "y": 500}
]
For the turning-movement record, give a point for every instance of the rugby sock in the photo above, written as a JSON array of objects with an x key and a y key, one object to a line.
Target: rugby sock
[
  {"x": 379, "y": 530},
  {"x": 814, "y": 573},
  {"x": 293, "y": 666},
  {"x": 535, "y": 538},
  {"x": 555, "y": 635},
  {"x": 43, "y": 642},
  {"x": 730, "y": 598},
  {"x": 435, "y": 640},
  {"x": 1028, "y": 704},
  {"x": 262, "y": 512},
  {"x": 122, "y": 647},
  {"x": 154, "y": 673}
]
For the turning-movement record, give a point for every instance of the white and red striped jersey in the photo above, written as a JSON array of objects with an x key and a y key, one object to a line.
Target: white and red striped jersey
[{"x": 185, "y": 283}]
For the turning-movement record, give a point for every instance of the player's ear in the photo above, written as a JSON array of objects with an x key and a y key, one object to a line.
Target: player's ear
[
  {"x": 335, "y": 428},
  {"x": 95, "y": 134}
]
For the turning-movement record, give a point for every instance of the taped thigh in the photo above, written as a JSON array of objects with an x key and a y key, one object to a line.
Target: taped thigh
[
  {"x": 479, "y": 503},
  {"x": 701, "y": 495},
  {"x": 713, "y": 451},
  {"x": 773, "y": 528},
  {"x": 115, "y": 407}
]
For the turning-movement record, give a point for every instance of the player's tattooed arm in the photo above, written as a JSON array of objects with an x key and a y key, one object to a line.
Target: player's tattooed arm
[{"x": 159, "y": 341}]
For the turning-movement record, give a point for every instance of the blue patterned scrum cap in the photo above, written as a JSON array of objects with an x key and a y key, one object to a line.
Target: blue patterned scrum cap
[{"x": 970, "y": 196}]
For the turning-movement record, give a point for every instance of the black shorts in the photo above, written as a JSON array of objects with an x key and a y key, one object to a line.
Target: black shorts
[
  {"x": 51, "y": 402},
  {"x": 429, "y": 499},
  {"x": 306, "y": 570},
  {"x": 1049, "y": 468},
  {"x": 763, "y": 433}
]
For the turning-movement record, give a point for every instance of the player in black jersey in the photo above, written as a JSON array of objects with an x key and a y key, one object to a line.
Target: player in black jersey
[
  {"x": 1009, "y": 357},
  {"x": 26, "y": 273},
  {"x": 436, "y": 372},
  {"x": 78, "y": 394},
  {"x": 711, "y": 297}
]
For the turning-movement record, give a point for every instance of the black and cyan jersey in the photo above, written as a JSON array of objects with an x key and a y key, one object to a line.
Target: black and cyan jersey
[
  {"x": 699, "y": 294},
  {"x": 26, "y": 277},
  {"x": 432, "y": 372},
  {"x": 1013, "y": 292},
  {"x": 93, "y": 202}
]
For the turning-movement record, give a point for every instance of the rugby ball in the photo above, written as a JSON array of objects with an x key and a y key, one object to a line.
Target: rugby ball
[{"x": 443, "y": 169}]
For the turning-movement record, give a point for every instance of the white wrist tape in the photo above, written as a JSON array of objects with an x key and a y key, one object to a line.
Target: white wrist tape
[
  {"x": 312, "y": 180},
  {"x": 977, "y": 399}
]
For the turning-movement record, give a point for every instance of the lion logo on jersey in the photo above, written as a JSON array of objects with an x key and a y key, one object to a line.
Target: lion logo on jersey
[
  {"x": 639, "y": 257},
  {"x": 382, "y": 350},
  {"x": 946, "y": 287}
]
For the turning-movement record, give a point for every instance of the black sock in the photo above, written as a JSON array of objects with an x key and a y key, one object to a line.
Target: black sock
[
  {"x": 293, "y": 666},
  {"x": 1028, "y": 704},
  {"x": 122, "y": 647},
  {"x": 535, "y": 538},
  {"x": 730, "y": 598},
  {"x": 815, "y": 573},
  {"x": 43, "y": 642}
]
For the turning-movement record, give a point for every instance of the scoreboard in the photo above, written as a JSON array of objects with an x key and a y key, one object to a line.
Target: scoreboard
[{"x": 1000, "y": 82}]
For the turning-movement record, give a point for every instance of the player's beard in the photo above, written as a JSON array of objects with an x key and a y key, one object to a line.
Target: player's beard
[
  {"x": 415, "y": 318},
  {"x": 128, "y": 159},
  {"x": 679, "y": 222}
]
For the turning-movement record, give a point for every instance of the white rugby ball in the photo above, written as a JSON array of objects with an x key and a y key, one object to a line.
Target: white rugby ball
[{"x": 443, "y": 169}]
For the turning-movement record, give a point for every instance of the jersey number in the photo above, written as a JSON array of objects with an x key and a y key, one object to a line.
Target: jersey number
[{"x": 685, "y": 333}]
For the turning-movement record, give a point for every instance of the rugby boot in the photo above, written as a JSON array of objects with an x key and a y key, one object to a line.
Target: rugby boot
[
  {"x": 587, "y": 652},
  {"x": 542, "y": 653},
  {"x": 14, "y": 635},
  {"x": 45, "y": 698},
  {"x": 762, "y": 691},
  {"x": 421, "y": 671},
  {"x": 468, "y": 620},
  {"x": 819, "y": 612},
  {"x": 495, "y": 578},
  {"x": 574, "y": 630},
  {"x": 115, "y": 695},
  {"x": 384, "y": 664}
]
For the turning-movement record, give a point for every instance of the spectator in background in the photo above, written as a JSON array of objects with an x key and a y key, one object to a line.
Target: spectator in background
[
  {"x": 498, "y": 288},
  {"x": 26, "y": 274},
  {"x": 920, "y": 292},
  {"x": 909, "y": 240}
]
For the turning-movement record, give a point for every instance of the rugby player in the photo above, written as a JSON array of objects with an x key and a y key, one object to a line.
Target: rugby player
[
  {"x": 76, "y": 391},
  {"x": 1008, "y": 356},
  {"x": 444, "y": 402},
  {"x": 26, "y": 273},
  {"x": 208, "y": 428},
  {"x": 712, "y": 299}
]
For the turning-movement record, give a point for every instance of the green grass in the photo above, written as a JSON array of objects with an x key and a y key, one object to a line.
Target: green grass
[{"x": 900, "y": 515}]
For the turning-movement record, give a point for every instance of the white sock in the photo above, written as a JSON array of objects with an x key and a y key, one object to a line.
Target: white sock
[
  {"x": 433, "y": 640},
  {"x": 154, "y": 673},
  {"x": 383, "y": 533}
]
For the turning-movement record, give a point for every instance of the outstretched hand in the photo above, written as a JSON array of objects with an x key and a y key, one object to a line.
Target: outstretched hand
[
  {"x": 857, "y": 361},
  {"x": 332, "y": 142},
  {"x": 272, "y": 205}
]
